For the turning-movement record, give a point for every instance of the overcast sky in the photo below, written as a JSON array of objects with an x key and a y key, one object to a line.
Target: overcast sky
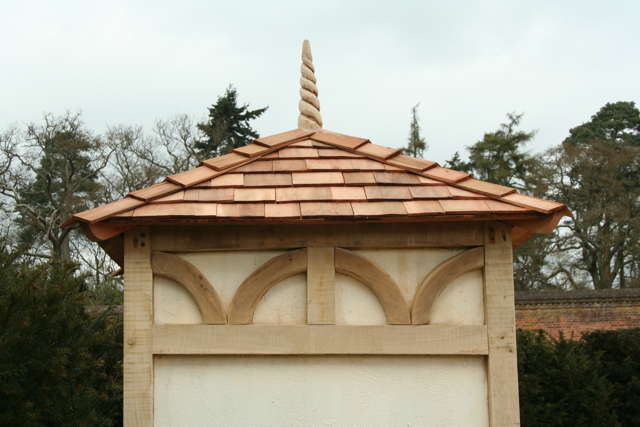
[{"x": 467, "y": 63}]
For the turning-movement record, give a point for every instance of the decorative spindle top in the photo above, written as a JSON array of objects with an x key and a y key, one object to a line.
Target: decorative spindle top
[{"x": 309, "y": 105}]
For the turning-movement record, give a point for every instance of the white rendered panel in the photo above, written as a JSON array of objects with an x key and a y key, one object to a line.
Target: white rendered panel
[
  {"x": 285, "y": 303},
  {"x": 172, "y": 303},
  {"x": 320, "y": 391},
  {"x": 356, "y": 304},
  {"x": 462, "y": 302}
]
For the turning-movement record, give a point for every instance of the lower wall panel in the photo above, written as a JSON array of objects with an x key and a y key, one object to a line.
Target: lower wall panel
[{"x": 288, "y": 391}]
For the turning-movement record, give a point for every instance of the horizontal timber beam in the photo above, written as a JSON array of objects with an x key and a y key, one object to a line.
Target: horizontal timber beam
[
  {"x": 204, "y": 238},
  {"x": 319, "y": 340}
]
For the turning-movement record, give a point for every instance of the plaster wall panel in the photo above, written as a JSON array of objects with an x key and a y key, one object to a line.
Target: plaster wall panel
[
  {"x": 320, "y": 391},
  {"x": 285, "y": 303},
  {"x": 172, "y": 303},
  {"x": 462, "y": 302}
]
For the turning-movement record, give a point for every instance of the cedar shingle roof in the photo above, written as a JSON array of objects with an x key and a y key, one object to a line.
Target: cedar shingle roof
[{"x": 303, "y": 175}]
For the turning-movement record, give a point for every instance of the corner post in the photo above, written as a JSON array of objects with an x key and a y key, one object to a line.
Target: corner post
[
  {"x": 502, "y": 372},
  {"x": 138, "y": 323}
]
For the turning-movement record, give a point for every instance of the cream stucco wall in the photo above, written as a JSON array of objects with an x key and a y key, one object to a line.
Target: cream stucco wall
[{"x": 320, "y": 391}]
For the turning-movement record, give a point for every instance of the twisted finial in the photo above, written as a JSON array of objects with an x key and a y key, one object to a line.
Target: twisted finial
[{"x": 309, "y": 105}]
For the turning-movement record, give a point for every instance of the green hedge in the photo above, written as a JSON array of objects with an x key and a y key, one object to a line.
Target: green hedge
[{"x": 594, "y": 381}]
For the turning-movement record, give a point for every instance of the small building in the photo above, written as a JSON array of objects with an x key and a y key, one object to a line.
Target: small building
[{"x": 314, "y": 278}]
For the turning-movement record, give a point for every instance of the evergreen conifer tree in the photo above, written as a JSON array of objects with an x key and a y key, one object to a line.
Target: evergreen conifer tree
[
  {"x": 417, "y": 144},
  {"x": 228, "y": 125}
]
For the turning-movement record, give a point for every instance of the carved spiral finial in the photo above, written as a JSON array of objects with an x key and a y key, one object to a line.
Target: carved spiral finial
[{"x": 309, "y": 105}]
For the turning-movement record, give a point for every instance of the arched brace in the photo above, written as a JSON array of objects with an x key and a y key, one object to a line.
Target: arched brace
[
  {"x": 254, "y": 287},
  {"x": 183, "y": 272},
  {"x": 438, "y": 279},
  {"x": 379, "y": 282}
]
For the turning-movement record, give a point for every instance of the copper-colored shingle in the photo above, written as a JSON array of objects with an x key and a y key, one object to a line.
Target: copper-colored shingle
[
  {"x": 294, "y": 194},
  {"x": 428, "y": 181},
  {"x": 192, "y": 176},
  {"x": 255, "y": 194},
  {"x": 459, "y": 193},
  {"x": 423, "y": 207},
  {"x": 378, "y": 208},
  {"x": 171, "y": 198},
  {"x": 251, "y": 150},
  {"x": 336, "y": 153},
  {"x": 280, "y": 138},
  {"x": 225, "y": 161},
  {"x": 348, "y": 193},
  {"x": 257, "y": 166},
  {"x": 532, "y": 202},
  {"x": 446, "y": 175},
  {"x": 338, "y": 139},
  {"x": 500, "y": 207},
  {"x": 282, "y": 210},
  {"x": 389, "y": 192},
  {"x": 104, "y": 211},
  {"x": 430, "y": 192},
  {"x": 317, "y": 144},
  {"x": 484, "y": 187},
  {"x": 176, "y": 209},
  {"x": 241, "y": 210},
  {"x": 451, "y": 206},
  {"x": 396, "y": 178},
  {"x": 306, "y": 143},
  {"x": 215, "y": 194},
  {"x": 297, "y": 153},
  {"x": 192, "y": 195},
  {"x": 267, "y": 179},
  {"x": 316, "y": 178},
  {"x": 156, "y": 190},
  {"x": 228, "y": 180},
  {"x": 404, "y": 161},
  {"x": 377, "y": 151},
  {"x": 326, "y": 209},
  {"x": 344, "y": 164},
  {"x": 358, "y": 178},
  {"x": 289, "y": 165}
]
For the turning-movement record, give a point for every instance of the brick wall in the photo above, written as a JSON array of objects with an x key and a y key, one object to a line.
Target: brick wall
[{"x": 577, "y": 312}]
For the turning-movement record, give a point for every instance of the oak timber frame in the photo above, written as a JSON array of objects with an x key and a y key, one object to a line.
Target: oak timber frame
[{"x": 489, "y": 246}]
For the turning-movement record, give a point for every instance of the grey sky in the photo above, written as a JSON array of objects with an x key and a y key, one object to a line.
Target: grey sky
[{"x": 467, "y": 63}]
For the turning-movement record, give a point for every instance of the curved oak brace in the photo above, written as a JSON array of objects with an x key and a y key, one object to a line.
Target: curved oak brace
[
  {"x": 438, "y": 279},
  {"x": 177, "y": 269},
  {"x": 255, "y": 286},
  {"x": 380, "y": 283}
]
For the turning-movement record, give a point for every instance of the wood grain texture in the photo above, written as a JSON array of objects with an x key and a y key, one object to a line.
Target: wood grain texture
[
  {"x": 502, "y": 371},
  {"x": 254, "y": 287},
  {"x": 438, "y": 279},
  {"x": 240, "y": 237},
  {"x": 183, "y": 272},
  {"x": 319, "y": 340},
  {"x": 321, "y": 287},
  {"x": 379, "y": 282},
  {"x": 138, "y": 321}
]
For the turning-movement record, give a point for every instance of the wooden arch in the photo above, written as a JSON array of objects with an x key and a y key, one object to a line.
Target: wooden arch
[
  {"x": 438, "y": 279},
  {"x": 254, "y": 287},
  {"x": 379, "y": 282},
  {"x": 251, "y": 291},
  {"x": 183, "y": 272}
]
